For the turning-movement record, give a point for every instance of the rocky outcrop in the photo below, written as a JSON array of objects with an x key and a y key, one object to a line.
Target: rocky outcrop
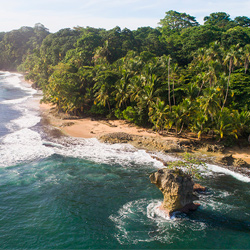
[
  {"x": 226, "y": 160},
  {"x": 118, "y": 137},
  {"x": 177, "y": 189},
  {"x": 239, "y": 163},
  {"x": 144, "y": 142},
  {"x": 214, "y": 148},
  {"x": 229, "y": 160},
  {"x": 199, "y": 188}
]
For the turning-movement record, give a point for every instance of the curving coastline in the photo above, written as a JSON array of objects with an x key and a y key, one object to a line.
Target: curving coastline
[{"x": 118, "y": 131}]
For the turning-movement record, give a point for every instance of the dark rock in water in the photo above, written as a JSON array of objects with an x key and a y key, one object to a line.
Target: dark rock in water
[
  {"x": 199, "y": 188},
  {"x": 190, "y": 207},
  {"x": 238, "y": 163},
  {"x": 159, "y": 159},
  {"x": 229, "y": 160},
  {"x": 226, "y": 160},
  {"x": 177, "y": 189}
]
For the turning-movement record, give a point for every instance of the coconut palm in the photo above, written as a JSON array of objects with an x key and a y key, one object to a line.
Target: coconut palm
[
  {"x": 231, "y": 59},
  {"x": 246, "y": 56},
  {"x": 158, "y": 115},
  {"x": 209, "y": 102},
  {"x": 121, "y": 89}
]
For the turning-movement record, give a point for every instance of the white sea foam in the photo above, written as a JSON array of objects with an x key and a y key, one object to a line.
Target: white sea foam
[
  {"x": 104, "y": 153},
  {"x": 28, "y": 119},
  {"x": 83, "y": 148},
  {"x": 21, "y": 146},
  {"x": 14, "y": 80},
  {"x": 143, "y": 214},
  {"x": 216, "y": 204},
  {"x": 132, "y": 213},
  {"x": 15, "y": 101},
  {"x": 153, "y": 211},
  {"x": 209, "y": 170},
  {"x": 217, "y": 169},
  {"x": 5, "y": 74}
]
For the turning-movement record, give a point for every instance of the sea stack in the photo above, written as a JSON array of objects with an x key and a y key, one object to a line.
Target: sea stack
[{"x": 177, "y": 189}]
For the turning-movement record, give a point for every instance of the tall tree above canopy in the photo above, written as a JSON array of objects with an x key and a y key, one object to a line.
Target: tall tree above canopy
[
  {"x": 177, "y": 21},
  {"x": 220, "y": 19},
  {"x": 242, "y": 21},
  {"x": 55, "y": 46}
]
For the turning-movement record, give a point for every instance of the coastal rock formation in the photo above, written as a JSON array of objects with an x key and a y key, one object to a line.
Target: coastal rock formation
[
  {"x": 144, "y": 142},
  {"x": 239, "y": 163},
  {"x": 229, "y": 160},
  {"x": 214, "y": 148},
  {"x": 199, "y": 188},
  {"x": 226, "y": 160},
  {"x": 177, "y": 189},
  {"x": 118, "y": 137}
]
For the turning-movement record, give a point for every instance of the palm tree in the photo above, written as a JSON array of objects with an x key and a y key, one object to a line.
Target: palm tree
[
  {"x": 158, "y": 113},
  {"x": 181, "y": 115},
  {"x": 246, "y": 57},
  {"x": 102, "y": 96},
  {"x": 214, "y": 52},
  {"x": 148, "y": 93},
  {"x": 121, "y": 88},
  {"x": 174, "y": 75},
  {"x": 231, "y": 59},
  {"x": 104, "y": 87},
  {"x": 169, "y": 91},
  {"x": 209, "y": 102}
]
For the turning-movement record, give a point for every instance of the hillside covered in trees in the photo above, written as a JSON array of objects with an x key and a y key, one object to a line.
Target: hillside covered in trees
[{"x": 178, "y": 76}]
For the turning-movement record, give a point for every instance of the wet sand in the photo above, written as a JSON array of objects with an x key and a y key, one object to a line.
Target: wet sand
[{"x": 93, "y": 128}]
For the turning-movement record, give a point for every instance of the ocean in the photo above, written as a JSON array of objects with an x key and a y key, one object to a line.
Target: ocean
[{"x": 58, "y": 192}]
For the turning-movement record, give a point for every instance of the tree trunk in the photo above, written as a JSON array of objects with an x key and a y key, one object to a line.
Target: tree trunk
[
  {"x": 169, "y": 98},
  {"x": 173, "y": 93},
  {"x": 201, "y": 88},
  {"x": 246, "y": 65},
  {"x": 181, "y": 128},
  {"x": 228, "y": 81}
]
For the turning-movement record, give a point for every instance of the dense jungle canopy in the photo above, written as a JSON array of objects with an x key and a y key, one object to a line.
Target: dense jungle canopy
[{"x": 180, "y": 76}]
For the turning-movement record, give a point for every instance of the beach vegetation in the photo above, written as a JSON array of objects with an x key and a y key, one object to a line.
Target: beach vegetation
[{"x": 180, "y": 76}]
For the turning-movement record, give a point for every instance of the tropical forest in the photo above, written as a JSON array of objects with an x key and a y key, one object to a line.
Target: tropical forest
[{"x": 180, "y": 76}]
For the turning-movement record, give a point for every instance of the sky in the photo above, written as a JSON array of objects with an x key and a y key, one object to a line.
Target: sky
[{"x": 59, "y": 14}]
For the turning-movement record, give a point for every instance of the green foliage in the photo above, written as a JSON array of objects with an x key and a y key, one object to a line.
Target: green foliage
[
  {"x": 242, "y": 21},
  {"x": 179, "y": 76},
  {"x": 234, "y": 36},
  {"x": 119, "y": 114},
  {"x": 190, "y": 165},
  {"x": 176, "y": 21},
  {"x": 135, "y": 115},
  {"x": 55, "y": 46},
  {"x": 240, "y": 87},
  {"x": 219, "y": 19},
  {"x": 97, "y": 109},
  {"x": 17, "y": 44}
]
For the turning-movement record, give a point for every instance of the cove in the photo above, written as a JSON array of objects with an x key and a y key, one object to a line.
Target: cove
[{"x": 82, "y": 194}]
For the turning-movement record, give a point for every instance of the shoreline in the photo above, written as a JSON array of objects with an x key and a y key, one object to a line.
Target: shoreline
[
  {"x": 96, "y": 128},
  {"x": 143, "y": 138}
]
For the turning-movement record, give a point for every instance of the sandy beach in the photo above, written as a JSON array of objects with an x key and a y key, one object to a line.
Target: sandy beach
[{"x": 92, "y": 128}]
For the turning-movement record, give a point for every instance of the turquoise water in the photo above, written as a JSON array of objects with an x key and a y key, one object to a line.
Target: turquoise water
[{"x": 65, "y": 193}]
